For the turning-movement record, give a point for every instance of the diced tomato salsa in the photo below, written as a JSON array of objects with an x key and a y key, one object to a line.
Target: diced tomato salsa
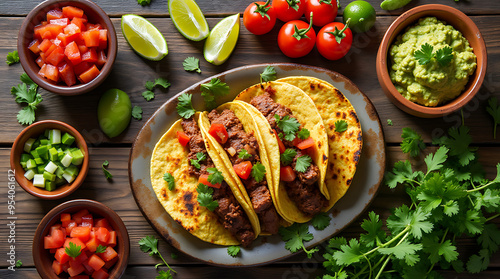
[
  {"x": 70, "y": 49},
  {"x": 86, "y": 231}
]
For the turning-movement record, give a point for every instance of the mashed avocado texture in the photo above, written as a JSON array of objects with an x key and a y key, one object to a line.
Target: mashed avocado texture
[{"x": 431, "y": 84}]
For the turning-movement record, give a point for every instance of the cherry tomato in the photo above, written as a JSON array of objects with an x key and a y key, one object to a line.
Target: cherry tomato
[
  {"x": 324, "y": 11},
  {"x": 219, "y": 132},
  {"x": 243, "y": 169},
  {"x": 287, "y": 10},
  {"x": 183, "y": 138},
  {"x": 294, "y": 44},
  {"x": 287, "y": 174},
  {"x": 259, "y": 17},
  {"x": 334, "y": 40}
]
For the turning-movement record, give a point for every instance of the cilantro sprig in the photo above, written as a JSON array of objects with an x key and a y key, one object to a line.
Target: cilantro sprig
[
  {"x": 258, "y": 172},
  {"x": 107, "y": 174},
  {"x": 269, "y": 74},
  {"x": 205, "y": 197},
  {"x": 12, "y": 58},
  {"x": 341, "y": 126},
  {"x": 185, "y": 106},
  {"x": 26, "y": 92},
  {"x": 426, "y": 52},
  {"x": 289, "y": 125},
  {"x": 243, "y": 154},
  {"x": 150, "y": 244},
  {"x": 200, "y": 156},
  {"x": 143, "y": 2},
  {"x": 212, "y": 90},
  {"x": 233, "y": 250},
  {"x": 169, "y": 178},
  {"x": 295, "y": 236},
  {"x": 100, "y": 249},
  {"x": 412, "y": 142},
  {"x": 73, "y": 250},
  {"x": 302, "y": 163},
  {"x": 191, "y": 64},
  {"x": 286, "y": 157},
  {"x": 137, "y": 112},
  {"x": 150, "y": 85},
  {"x": 215, "y": 176}
]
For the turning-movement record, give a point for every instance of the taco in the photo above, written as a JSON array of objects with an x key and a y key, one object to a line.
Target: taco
[
  {"x": 184, "y": 153},
  {"x": 232, "y": 131},
  {"x": 344, "y": 148},
  {"x": 297, "y": 144}
]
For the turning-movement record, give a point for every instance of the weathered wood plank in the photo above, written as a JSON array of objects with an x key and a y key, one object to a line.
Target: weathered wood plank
[
  {"x": 130, "y": 72},
  {"x": 220, "y": 7}
]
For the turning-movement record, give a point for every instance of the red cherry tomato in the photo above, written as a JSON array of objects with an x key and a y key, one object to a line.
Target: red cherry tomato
[
  {"x": 243, "y": 169},
  {"x": 183, "y": 138},
  {"x": 296, "y": 47},
  {"x": 324, "y": 11},
  {"x": 219, "y": 132},
  {"x": 259, "y": 17},
  {"x": 287, "y": 174},
  {"x": 334, "y": 40},
  {"x": 287, "y": 10}
]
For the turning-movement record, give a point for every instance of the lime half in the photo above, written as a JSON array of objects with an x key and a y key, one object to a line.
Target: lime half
[
  {"x": 222, "y": 40},
  {"x": 144, "y": 37},
  {"x": 188, "y": 19}
]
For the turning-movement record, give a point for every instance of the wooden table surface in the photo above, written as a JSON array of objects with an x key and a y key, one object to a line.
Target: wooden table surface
[{"x": 130, "y": 72}]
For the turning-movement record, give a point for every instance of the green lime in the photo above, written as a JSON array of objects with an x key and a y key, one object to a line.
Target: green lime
[
  {"x": 144, "y": 38},
  {"x": 113, "y": 112},
  {"x": 362, "y": 16},
  {"x": 222, "y": 40},
  {"x": 188, "y": 19}
]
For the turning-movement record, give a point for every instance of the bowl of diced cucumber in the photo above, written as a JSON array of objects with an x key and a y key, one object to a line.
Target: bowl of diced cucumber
[{"x": 50, "y": 159}]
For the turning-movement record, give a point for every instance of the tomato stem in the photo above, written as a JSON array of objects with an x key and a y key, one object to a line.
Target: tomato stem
[
  {"x": 262, "y": 10},
  {"x": 293, "y": 4},
  {"x": 339, "y": 34},
  {"x": 328, "y": 2},
  {"x": 301, "y": 33}
]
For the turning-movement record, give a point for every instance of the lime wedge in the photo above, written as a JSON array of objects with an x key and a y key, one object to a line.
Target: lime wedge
[
  {"x": 222, "y": 40},
  {"x": 144, "y": 37},
  {"x": 188, "y": 19}
]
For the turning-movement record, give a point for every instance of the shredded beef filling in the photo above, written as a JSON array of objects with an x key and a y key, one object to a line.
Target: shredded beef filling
[
  {"x": 259, "y": 194},
  {"x": 303, "y": 191},
  {"x": 230, "y": 213}
]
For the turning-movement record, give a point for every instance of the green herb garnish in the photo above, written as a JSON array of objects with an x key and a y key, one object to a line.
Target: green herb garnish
[
  {"x": 303, "y": 134},
  {"x": 269, "y": 74},
  {"x": 213, "y": 89},
  {"x": 233, "y": 251},
  {"x": 494, "y": 110},
  {"x": 286, "y": 157},
  {"x": 215, "y": 176},
  {"x": 425, "y": 54},
  {"x": 205, "y": 197},
  {"x": 26, "y": 92},
  {"x": 73, "y": 250},
  {"x": 107, "y": 174},
  {"x": 340, "y": 126},
  {"x": 150, "y": 244},
  {"x": 192, "y": 64},
  {"x": 243, "y": 154},
  {"x": 100, "y": 249},
  {"x": 169, "y": 178},
  {"x": 200, "y": 156},
  {"x": 12, "y": 58},
  {"x": 143, "y": 2},
  {"x": 288, "y": 125},
  {"x": 137, "y": 112},
  {"x": 258, "y": 172},
  {"x": 295, "y": 236},
  {"x": 302, "y": 163},
  {"x": 320, "y": 221},
  {"x": 185, "y": 106}
]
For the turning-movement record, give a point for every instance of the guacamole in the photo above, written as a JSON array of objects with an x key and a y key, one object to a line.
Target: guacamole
[{"x": 431, "y": 84}]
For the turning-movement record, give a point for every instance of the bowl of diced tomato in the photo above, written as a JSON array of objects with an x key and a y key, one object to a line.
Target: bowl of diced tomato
[
  {"x": 67, "y": 47},
  {"x": 81, "y": 239}
]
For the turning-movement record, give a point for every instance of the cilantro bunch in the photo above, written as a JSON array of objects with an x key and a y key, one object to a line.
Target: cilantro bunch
[
  {"x": 26, "y": 92},
  {"x": 450, "y": 199}
]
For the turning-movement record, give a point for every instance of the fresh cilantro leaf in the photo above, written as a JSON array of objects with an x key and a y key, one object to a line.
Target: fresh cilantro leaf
[
  {"x": 191, "y": 64},
  {"x": 288, "y": 125},
  {"x": 320, "y": 221},
  {"x": 435, "y": 162},
  {"x": 269, "y": 74},
  {"x": 185, "y": 106},
  {"x": 144, "y": 2},
  {"x": 444, "y": 55},
  {"x": 494, "y": 110},
  {"x": 73, "y": 250},
  {"x": 233, "y": 251},
  {"x": 100, "y": 249},
  {"x": 169, "y": 178},
  {"x": 389, "y": 122},
  {"x": 286, "y": 157},
  {"x": 107, "y": 174},
  {"x": 340, "y": 126},
  {"x": 373, "y": 227},
  {"x": 26, "y": 79},
  {"x": 303, "y": 134},
  {"x": 490, "y": 238},
  {"x": 424, "y": 55},
  {"x": 474, "y": 222},
  {"x": 205, "y": 197},
  {"x": 349, "y": 253},
  {"x": 244, "y": 154},
  {"x": 148, "y": 95},
  {"x": 26, "y": 92},
  {"x": 162, "y": 82},
  {"x": 149, "y": 244},
  {"x": 12, "y": 58},
  {"x": 478, "y": 263},
  {"x": 458, "y": 143},
  {"x": 137, "y": 112},
  {"x": 302, "y": 163},
  {"x": 402, "y": 250},
  {"x": 212, "y": 90},
  {"x": 200, "y": 156},
  {"x": 215, "y": 176},
  {"x": 295, "y": 236},
  {"x": 416, "y": 220},
  {"x": 163, "y": 274},
  {"x": 150, "y": 85},
  {"x": 412, "y": 142},
  {"x": 26, "y": 116},
  {"x": 19, "y": 263},
  {"x": 401, "y": 173},
  {"x": 258, "y": 172}
]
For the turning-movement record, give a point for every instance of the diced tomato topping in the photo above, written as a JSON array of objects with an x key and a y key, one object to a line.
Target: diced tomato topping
[
  {"x": 101, "y": 58},
  {"x": 60, "y": 21},
  {"x": 73, "y": 271},
  {"x": 75, "y": 241},
  {"x": 78, "y": 216},
  {"x": 57, "y": 267},
  {"x": 89, "y": 75},
  {"x": 50, "y": 50},
  {"x": 49, "y": 243},
  {"x": 280, "y": 143},
  {"x": 100, "y": 274},
  {"x": 304, "y": 144},
  {"x": 55, "y": 227},
  {"x": 219, "y": 132},
  {"x": 53, "y": 250},
  {"x": 287, "y": 174},
  {"x": 78, "y": 21},
  {"x": 70, "y": 227},
  {"x": 88, "y": 269},
  {"x": 183, "y": 138},
  {"x": 56, "y": 56},
  {"x": 39, "y": 61},
  {"x": 103, "y": 38},
  {"x": 102, "y": 223},
  {"x": 112, "y": 239},
  {"x": 71, "y": 12},
  {"x": 43, "y": 57},
  {"x": 50, "y": 72},
  {"x": 78, "y": 260},
  {"x": 45, "y": 45},
  {"x": 54, "y": 14},
  {"x": 81, "y": 276},
  {"x": 92, "y": 244},
  {"x": 61, "y": 255},
  {"x": 110, "y": 263},
  {"x": 87, "y": 220},
  {"x": 68, "y": 76},
  {"x": 71, "y": 29},
  {"x": 58, "y": 236},
  {"x": 243, "y": 169},
  {"x": 33, "y": 46},
  {"x": 82, "y": 48},
  {"x": 54, "y": 30},
  {"x": 82, "y": 67},
  {"x": 203, "y": 179},
  {"x": 82, "y": 233},
  {"x": 89, "y": 56},
  {"x": 91, "y": 38},
  {"x": 66, "y": 39},
  {"x": 102, "y": 234},
  {"x": 109, "y": 254},
  {"x": 95, "y": 262},
  {"x": 73, "y": 53}
]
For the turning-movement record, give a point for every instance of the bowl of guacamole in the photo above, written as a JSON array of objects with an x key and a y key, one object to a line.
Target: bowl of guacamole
[{"x": 432, "y": 60}]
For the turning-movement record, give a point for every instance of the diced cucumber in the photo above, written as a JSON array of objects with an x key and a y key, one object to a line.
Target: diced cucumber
[
  {"x": 77, "y": 157},
  {"x": 59, "y": 172},
  {"x": 23, "y": 164},
  {"x": 42, "y": 150},
  {"x": 39, "y": 161},
  {"x": 38, "y": 180},
  {"x": 29, "y": 144},
  {"x": 50, "y": 185},
  {"x": 67, "y": 139},
  {"x": 55, "y": 136},
  {"x": 53, "y": 154},
  {"x": 72, "y": 170},
  {"x": 68, "y": 177},
  {"x": 25, "y": 157},
  {"x": 60, "y": 181},
  {"x": 46, "y": 133},
  {"x": 49, "y": 176},
  {"x": 40, "y": 168},
  {"x": 44, "y": 142},
  {"x": 66, "y": 160},
  {"x": 29, "y": 174},
  {"x": 60, "y": 153},
  {"x": 31, "y": 163},
  {"x": 51, "y": 167},
  {"x": 34, "y": 154}
]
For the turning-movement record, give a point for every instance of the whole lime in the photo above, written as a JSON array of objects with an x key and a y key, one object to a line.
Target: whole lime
[
  {"x": 362, "y": 16},
  {"x": 114, "y": 112}
]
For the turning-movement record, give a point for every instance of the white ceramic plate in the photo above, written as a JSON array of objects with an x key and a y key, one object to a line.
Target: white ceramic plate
[{"x": 264, "y": 250}]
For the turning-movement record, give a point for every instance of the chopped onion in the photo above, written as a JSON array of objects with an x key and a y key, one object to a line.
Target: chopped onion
[{"x": 231, "y": 151}]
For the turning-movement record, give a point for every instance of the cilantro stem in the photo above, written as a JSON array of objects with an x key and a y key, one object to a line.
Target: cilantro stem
[
  {"x": 492, "y": 217},
  {"x": 442, "y": 241},
  {"x": 165, "y": 262},
  {"x": 481, "y": 187},
  {"x": 383, "y": 266},
  {"x": 389, "y": 256},
  {"x": 405, "y": 231}
]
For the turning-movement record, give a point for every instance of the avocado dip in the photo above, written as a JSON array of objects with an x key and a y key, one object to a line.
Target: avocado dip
[{"x": 431, "y": 84}]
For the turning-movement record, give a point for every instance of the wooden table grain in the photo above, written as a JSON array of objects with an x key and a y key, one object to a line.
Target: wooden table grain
[{"x": 130, "y": 72}]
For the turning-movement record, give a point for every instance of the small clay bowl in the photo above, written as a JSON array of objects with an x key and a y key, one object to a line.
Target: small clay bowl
[
  {"x": 42, "y": 257},
  {"x": 459, "y": 21},
  {"x": 26, "y": 35},
  {"x": 33, "y": 131}
]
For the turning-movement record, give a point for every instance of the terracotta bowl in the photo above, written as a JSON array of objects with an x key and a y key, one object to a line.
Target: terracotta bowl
[
  {"x": 95, "y": 15},
  {"x": 33, "y": 131},
  {"x": 459, "y": 21},
  {"x": 42, "y": 257}
]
